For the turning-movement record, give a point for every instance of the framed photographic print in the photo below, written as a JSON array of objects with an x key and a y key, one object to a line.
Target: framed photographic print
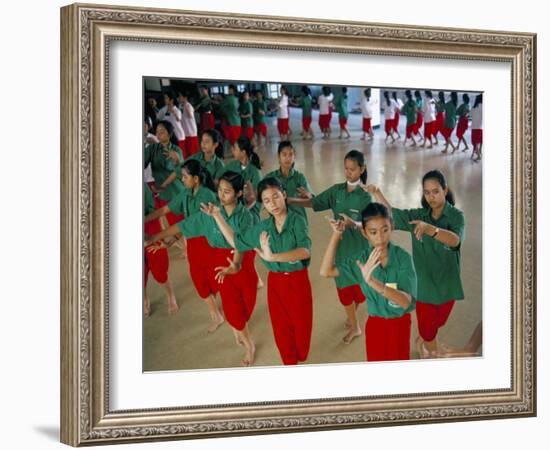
[{"x": 280, "y": 153}]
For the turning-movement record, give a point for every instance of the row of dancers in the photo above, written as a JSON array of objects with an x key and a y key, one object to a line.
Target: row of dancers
[
  {"x": 218, "y": 209},
  {"x": 240, "y": 115}
]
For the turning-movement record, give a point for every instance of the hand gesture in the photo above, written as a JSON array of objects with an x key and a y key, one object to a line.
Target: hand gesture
[
  {"x": 264, "y": 251},
  {"x": 304, "y": 193},
  {"x": 338, "y": 226},
  {"x": 348, "y": 221},
  {"x": 154, "y": 247},
  {"x": 210, "y": 209},
  {"x": 420, "y": 228},
  {"x": 222, "y": 271},
  {"x": 370, "y": 188},
  {"x": 172, "y": 155},
  {"x": 372, "y": 263}
]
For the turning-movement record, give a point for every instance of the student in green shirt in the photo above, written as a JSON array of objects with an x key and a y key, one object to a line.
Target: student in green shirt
[
  {"x": 341, "y": 105},
  {"x": 440, "y": 115},
  {"x": 233, "y": 270},
  {"x": 230, "y": 110},
  {"x": 463, "y": 113},
  {"x": 450, "y": 121},
  {"x": 199, "y": 189},
  {"x": 410, "y": 109},
  {"x": 283, "y": 243},
  {"x": 204, "y": 108},
  {"x": 246, "y": 111},
  {"x": 294, "y": 183},
  {"x": 387, "y": 277},
  {"x": 438, "y": 231},
  {"x": 306, "y": 105},
  {"x": 259, "y": 113},
  {"x": 419, "y": 117},
  {"x": 346, "y": 200},
  {"x": 211, "y": 154}
]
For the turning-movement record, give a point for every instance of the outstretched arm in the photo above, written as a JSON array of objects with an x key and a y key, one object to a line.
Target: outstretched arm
[{"x": 328, "y": 264}]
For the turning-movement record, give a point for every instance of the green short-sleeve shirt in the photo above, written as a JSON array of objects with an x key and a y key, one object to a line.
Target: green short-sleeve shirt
[
  {"x": 291, "y": 183},
  {"x": 437, "y": 266},
  {"x": 399, "y": 273},
  {"x": 201, "y": 224},
  {"x": 189, "y": 203},
  {"x": 306, "y": 106},
  {"x": 450, "y": 115},
  {"x": 440, "y": 106},
  {"x": 162, "y": 167},
  {"x": 215, "y": 166},
  {"x": 259, "y": 105},
  {"x": 246, "y": 108},
  {"x": 204, "y": 105},
  {"x": 410, "y": 109},
  {"x": 339, "y": 200},
  {"x": 342, "y": 106},
  {"x": 230, "y": 108},
  {"x": 294, "y": 234},
  {"x": 463, "y": 110},
  {"x": 249, "y": 173}
]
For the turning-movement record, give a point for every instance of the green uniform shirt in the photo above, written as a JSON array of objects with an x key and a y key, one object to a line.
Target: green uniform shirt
[
  {"x": 246, "y": 108},
  {"x": 230, "y": 108},
  {"x": 306, "y": 106},
  {"x": 409, "y": 109},
  {"x": 249, "y": 173},
  {"x": 399, "y": 271},
  {"x": 437, "y": 266},
  {"x": 419, "y": 104},
  {"x": 215, "y": 166},
  {"x": 189, "y": 203},
  {"x": 148, "y": 200},
  {"x": 257, "y": 106},
  {"x": 463, "y": 110},
  {"x": 291, "y": 184},
  {"x": 440, "y": 106},
  {"x": 202, "y": 224},
  {"x": 204, "y": 105},
  {"x": 162, "y": 167},
  {"x": 450, "y": 115},
  {"x": 342, "y": 106},
  {"x": 339, "y": 200},
  {"x": 293, "y": 235}
]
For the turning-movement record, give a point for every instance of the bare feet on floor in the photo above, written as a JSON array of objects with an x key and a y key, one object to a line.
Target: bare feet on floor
[
  {"x": 351, "y": 335},
  {"x": 216, "y": 323},
  {"x": 248, "y": 358}
]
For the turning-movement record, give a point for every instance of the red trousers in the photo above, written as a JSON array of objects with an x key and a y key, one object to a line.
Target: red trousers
[
  {"x": 389, "y": 126},
  {"x": 170, "y": 217},
  {"x": 367, "y": 124},
  {"x": 282, "y": 126},
  {"x": 477, "y": 137},
  {"x": 419, "y": 122},
  {"x": 388, "y": 339},
  {"x": 350, "y": 294},
  {"x": 157, "y": 263},
  {"x": 324, "y": 121},
  {"x": 199, "y": 256},
  {"x": 261, "y": 128},
  {"x": 238, "y": 292},
  {"x": 461, "y": 127},
  {"x": 290, "y": 305},
  {"x": 207, "y": 121},
  {"x": 248, "y": 132},
  {"x": 409, "y": 131},
  {"x": 342, "y": 121},
  {"x": 439, "y": 122},
  {"x": 191, "y": 146},
  {"x": 446, "y": 132},
  {"x": 429, "y": 128},
  {"x": 431, "y": 318},
  {"x": 306, "y": 123},
  {"x": 396, "y": 121}
]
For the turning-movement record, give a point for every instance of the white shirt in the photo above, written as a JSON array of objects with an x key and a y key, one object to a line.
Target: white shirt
[
  {"x": 389, "y": 110},
  {"x": 366, "y": 108},
  {"x": 148, "y": 172},
  {"x": 477, "y": 117},
  {"x": 188, "y": 120},
  {"x": 175, "y": 119},
  {"x": 324, "y": 103},
  {"x": 429, "y": 110},
  {"x": 282, "y": 107}
]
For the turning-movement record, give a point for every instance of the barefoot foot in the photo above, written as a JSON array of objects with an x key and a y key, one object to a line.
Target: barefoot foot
[{"x": 351, "y": 335}]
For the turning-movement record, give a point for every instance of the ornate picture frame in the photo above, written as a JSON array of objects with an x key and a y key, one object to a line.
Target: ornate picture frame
[{"x": 87, "y": 31}]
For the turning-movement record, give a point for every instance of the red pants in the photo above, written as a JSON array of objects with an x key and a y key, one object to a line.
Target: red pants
[
  {"x": 350, "y": 294},
  {"x": 207, "y": 121},
  {"x": 396, "y": 121},
  {"x": 238, "y": 292},
  {"x": 461, "y": 127},
  {"x": 170, "y": 217},
  {"x": 446, "y": 132},
  {"x": 233, "y": 133},
  {"x": 261, "y": 128},
  {"x": 439, "y": 121},
  {"x": 199, "y": 255},
  {"x": 191, "y": 146},
  {"x": 248, "y": 132},
  {"x": 306, "y": 123},
  {"x": 388, "y": 339},
  {"x": 324, "y": 121},
  {"x": 291, "y": 310},
  {"x": 367, "y": 127},
  {"x": 157, "y": 263},
  {"x": 429, "y": 128},
  {"x": 409, "y": 131},
  {"x": 342, "y": 121},
  {"x": 431, "y": 318},
  {"x": 181, "y": 145},
  {"x": 389, "y": 126},
  {"x": 282, "y": 126},
  {"x": 477, "y": 137},
  {"x": 419, "y": 122}
]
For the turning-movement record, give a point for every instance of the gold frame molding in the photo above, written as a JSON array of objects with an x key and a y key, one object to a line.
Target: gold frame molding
[{"x": 86, "y": 32}]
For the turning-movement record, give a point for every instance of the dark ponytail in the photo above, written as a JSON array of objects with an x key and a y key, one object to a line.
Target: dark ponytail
[
  {"x": 441, "y": 96},
  {"x": 374, "y": 210},
  {"x": 408, "y": 94},
  {"x": 245, "y": 145},
  {"x": 195, "y": 169},
  {"x": 236, "y": 181},
  {"x": 217, "y": 139},
  {"x": 478, "y": 101},
  {"x": 454, "y": 98},
  {"x": 440, "y": 178},
  {"x": 359, "y": 158},
  {"x": 387, "y": 97}
]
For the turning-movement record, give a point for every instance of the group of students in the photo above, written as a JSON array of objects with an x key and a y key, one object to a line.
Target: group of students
[{"x": 218, "y": 210}]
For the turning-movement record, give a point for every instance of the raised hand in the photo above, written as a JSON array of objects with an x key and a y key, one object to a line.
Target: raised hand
[
  {"x": 370, "y": 188},
  {"x": 348, "y": 221},
  {"x": 210, "y": 209},
  {"x": 222, "y": 271},
  {"x": 172, "y": 155},
  {"x": 264, "y": 251},
  {"x": 372, "y": 263},
  {"x": 338, "y": 226},
  {"x": 420, "y": 228},
  {"x": 304, "y": 193}
]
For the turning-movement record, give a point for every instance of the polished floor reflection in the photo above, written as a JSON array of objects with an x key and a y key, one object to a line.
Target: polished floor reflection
[{"x": 181, "y": 341}]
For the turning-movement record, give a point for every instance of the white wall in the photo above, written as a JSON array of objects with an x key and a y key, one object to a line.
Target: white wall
[{"x": 30, "y": 310}]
